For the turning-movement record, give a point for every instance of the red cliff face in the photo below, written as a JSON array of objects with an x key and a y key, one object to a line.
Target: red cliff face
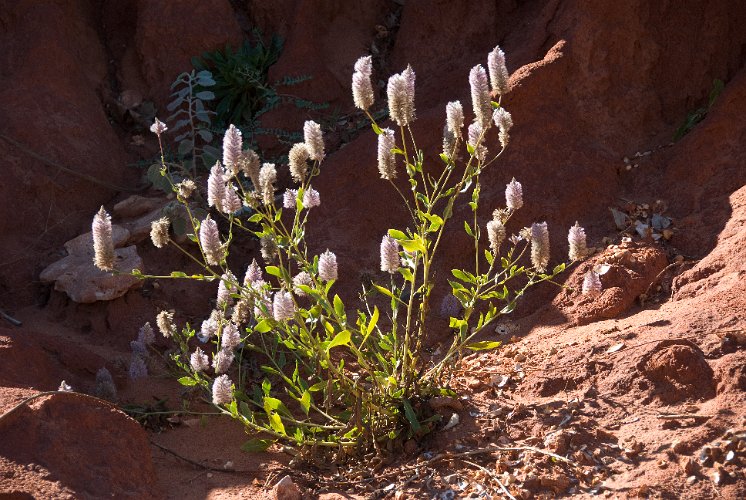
[{"x": 592, "y": 83}]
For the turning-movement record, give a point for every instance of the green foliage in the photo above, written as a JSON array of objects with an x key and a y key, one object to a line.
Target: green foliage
[
  {"x": 243, "y": 92},
  {"x": 699, "y": 114},
  {"x": 191, "y": 121},
  {"x": 241, "y": 88},
  {"x": 339, "y": 378}
]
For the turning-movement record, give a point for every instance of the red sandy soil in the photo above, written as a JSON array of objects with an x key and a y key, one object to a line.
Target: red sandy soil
[{"x": 630, "y": 386}]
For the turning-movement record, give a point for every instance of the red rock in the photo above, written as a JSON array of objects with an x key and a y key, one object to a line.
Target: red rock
[
  {"x": 55, "y": 66},
  {"x": 286, "y": 489},
  {"x": 93, "y": 449},
  {"x": 169, "y": 34}
]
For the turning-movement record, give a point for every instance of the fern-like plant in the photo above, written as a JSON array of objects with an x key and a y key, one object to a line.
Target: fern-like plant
[{"x": 193, "y": 119}]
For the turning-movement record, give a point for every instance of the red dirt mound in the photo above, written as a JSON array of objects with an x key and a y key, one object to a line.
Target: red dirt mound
[{"x": 74, "y": 445}]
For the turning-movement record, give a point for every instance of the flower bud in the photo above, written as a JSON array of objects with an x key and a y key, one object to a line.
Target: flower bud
[
  {"x": 328, "y": 266},
  {"x": 476, "y": 140},
  {"x": 450, "y": 307},
  {"x": 230, "y": 337},
  {"x": 362, "y": 88},
  {"x": 269, "y": 249},
  {"x": 283, "y": 307},
  {"x": 498, "y": 71},
  {"x": 576, "y": 239},
  {"x": 504, "y": 122},
  {"x": 222, "y": 390},
  {"x": 253, "y": 273},
  {"x": 103, "y": 243},
  {"x": 311, "y": 198},
  {"x": 495, "y": 234},
  {"x": 314, "y": 140},
  {"x": 400, "y": 91},
  {"x": 539, "y": 246},
  {"x": 455, "y": 118},
  {"x": 390, "y": 260},
  {"x": 105, "y": 388},
  {"x": 248, "y": 162},
  {"x": 288, "y": 199},
  {"x": 267, "y": 178},
  {"x": 226, "y": 287},
  {"x": 592, "y": 283},
  {"x": 297, "y": 158},
  {"x": 209, "y": 238},
  {"x": 386, "y": 158},
  {"x": 165, "y": 323},
  {"x": 186, "y": 188},
  {"x": 232, "y": 146},
  {"x": 480, "y": 96},
  {"x": 198, "y": 361},
  {"x": 222, "y": 360},
  {"x": 138, "y": 369},
  {"x": 230, "y": 203},
  {"x": 146, "y": 334},
  {"x": 302, "y": 278},
  {"x": 159, "y": 232},
  {"x": 514, "y": 195},
  {"x": 158, "y": 127}
]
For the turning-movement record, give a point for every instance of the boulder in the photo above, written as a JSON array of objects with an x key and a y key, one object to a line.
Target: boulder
[
  {"x": 89, "y": 448},
  {"x": 82, "y": 281}
]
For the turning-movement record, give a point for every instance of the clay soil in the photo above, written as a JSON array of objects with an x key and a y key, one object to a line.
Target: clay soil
[{"x": 639, "y": 391}]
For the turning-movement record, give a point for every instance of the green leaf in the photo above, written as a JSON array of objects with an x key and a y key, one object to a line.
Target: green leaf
[
  {"x": 339, "y": 307},
  {"x": 274, "y": 271},
  {"x": 185, "y": 147},
  {"x": 178, "y": 274},
  {"x": 385, "y": 291},
  {"x": 342, "y": 338},
  {"x": 463, "y": 276},
  {"x": 373, "y": 321},
  {"x": 470, "y": 149},
  {"x": 275, "y": 422},
  {"x": 468, "y": 230},
  {"x": 458, "y": 323},
  {"x": 305, "y": 402},
  {"x": 159, "y": 181},
  {"x": 411, "y": 416},
  {"x": 415, "y": 245},
  {"x": 256, "y": 445},
  {"x": 435, "y": 222},
  {"x": 484, "y": 345},
  {"x": 317, "y": 386},
  {"x": 376, "y": 129},
  {"x": 490, "y": 258},
  {"x": 455, "y": 285},
  {"x": 407, "y": 274},
  {"x": 397, "y": 235},
  {"x": 266, "y": 387},
  {"x": 243, "y": 408},
  {"x": 263, "y": 326},
  {"x": 187, "y": 381},
  {"x": 205, "y": 135},
  {"x": 559, "y": 268},
  {"x": 270, "y": 370},
  {"x": 445, "y": 158},
  {"x": 255, "y": 218}
]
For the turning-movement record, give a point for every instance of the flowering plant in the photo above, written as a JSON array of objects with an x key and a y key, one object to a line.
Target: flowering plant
[{"x": 335, "y": 378}]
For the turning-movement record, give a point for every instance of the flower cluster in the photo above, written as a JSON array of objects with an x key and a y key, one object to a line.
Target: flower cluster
[{"x": 284, "y": 309}]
